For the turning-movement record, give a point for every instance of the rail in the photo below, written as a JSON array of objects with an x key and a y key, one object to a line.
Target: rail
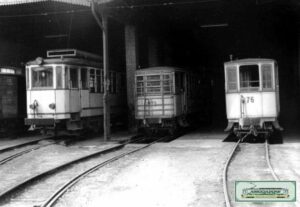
[
  {"x": 53, "y": 199},
  {"x": 28, "y": 181},
  {"x": 224, "y": 175}
]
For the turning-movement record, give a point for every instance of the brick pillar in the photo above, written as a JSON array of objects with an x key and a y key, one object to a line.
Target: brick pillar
[
  {"x": 153, "y": 59},
  {"x": 131, "y": 65}
]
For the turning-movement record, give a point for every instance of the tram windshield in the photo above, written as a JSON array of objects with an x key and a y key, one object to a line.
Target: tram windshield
[
  {"x": 42, "y": 77},
  {"x": 249, "y": 77},
  {"x": 154, "y": 84}
]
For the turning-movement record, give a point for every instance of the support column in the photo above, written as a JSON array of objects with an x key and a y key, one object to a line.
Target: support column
[
  {"x": 102, "y": 23},
  {"x": 298, "y": 71},
  {"x": 153, "y": 59},
  {"x": 106, "y": 103},
  {"x": 131, "y": 66}
]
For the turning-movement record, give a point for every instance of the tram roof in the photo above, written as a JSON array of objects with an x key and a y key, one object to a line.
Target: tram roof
[
  {"x": 67, "y": 61},
  {"x": 74, "y": 2},
  {"x": 158, "y": 69},
  {"x": 249, "y": 61}
]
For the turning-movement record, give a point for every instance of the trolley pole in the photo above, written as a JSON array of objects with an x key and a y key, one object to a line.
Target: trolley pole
[{"x": 106, "y": 104}]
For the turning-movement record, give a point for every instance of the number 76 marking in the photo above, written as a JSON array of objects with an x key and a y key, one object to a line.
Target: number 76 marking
[{"x": 250, "y": 99}]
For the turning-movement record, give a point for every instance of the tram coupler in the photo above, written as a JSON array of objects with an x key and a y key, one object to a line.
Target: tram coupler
[{"x": 253, "y": 131}]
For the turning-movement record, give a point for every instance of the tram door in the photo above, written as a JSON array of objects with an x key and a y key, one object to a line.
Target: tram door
[
  {"x": 75, "y": 102},
  {"x": 84, "y": 89},
  {"x": 180, "y": 92}
]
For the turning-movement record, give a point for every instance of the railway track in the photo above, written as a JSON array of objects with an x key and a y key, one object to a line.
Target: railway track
[
  {"x": 228, "y": 162},
  {"x": 23, "y": 144},
  {"x": 30, "y": 149},
  {"x": 89, "y": 163}
]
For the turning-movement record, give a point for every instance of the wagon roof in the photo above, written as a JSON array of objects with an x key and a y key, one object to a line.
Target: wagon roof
[
  {"x": 69, "y": 61},
  {"x": 158, "y": 69},
  {"x": 249, "y": 61}
]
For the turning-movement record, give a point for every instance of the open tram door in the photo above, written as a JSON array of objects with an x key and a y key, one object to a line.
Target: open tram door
[
  {"x": 180, "y": 92},
  {"x": 73, "y": 75}
]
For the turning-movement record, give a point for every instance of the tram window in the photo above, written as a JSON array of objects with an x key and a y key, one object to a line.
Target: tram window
[
  {"x": 153, "y": 84},
  {"x": 178, "y": 83},
  {"x": 92, "y": 81},
  {"x": 83, "y": 74},
  {"x": 167, "y": 84},
  {"x": 67, "y": 77},
  {"x": 27, "y": 78},
  {"x": 249, "y": 77},
  {"x": 231, "y": 79},
  {"x": 42, "y": 77},
  {"x": 140, "y": 85},
  {"x": 112, "y": 85},
  {"x": 266, "y": 76},
  {"x": 98, "y": 83},
  {"x": 59, "y": 77},
  {"x": 74, "y": 77},
  {"x": 101, "y": 81}
]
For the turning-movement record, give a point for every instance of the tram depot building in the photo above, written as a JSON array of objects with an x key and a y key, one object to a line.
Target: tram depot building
[{"x": 198, "y": 35}]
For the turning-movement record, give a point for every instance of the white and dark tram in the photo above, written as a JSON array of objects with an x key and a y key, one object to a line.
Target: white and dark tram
[
  {"x": 252, "y": 96},
  {"x": 65, "y": 91},
  {"x": 166, "y": 98}
]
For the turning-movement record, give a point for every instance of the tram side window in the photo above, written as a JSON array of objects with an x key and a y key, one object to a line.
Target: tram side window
[
  {"x": 92, "y": 81},
  {"x": 153, "y": 84},
  {"x": 74, "y": 77},
  {"x": 249, "y": 77},
  {"x": 42, "y": 77},
  {"x": 98, "y": 81},
  {"x": 267, "y": 76},
  {"x": 27, "y": 78},
  {"x": 59, "y": 77},
  {"x": 231, "y": 79},
  {"x": 140, "y": 85},
  {"x": 84, "y": 83},
  {"x": 67, "y": 77},
  {"x": 112, "y": 79},
  {"x": 167, "y": 84},
  {"x": 101, "y": 81},
  {"x": 178, "y": 82}
]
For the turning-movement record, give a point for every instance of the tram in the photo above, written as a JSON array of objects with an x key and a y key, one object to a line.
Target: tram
[{"x": 65, "y": 91}]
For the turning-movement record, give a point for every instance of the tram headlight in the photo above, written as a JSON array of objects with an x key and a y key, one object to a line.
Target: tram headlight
[{"x": 52, "y": 106}]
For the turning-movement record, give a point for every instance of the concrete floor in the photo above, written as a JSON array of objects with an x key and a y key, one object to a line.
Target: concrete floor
[{"x": 184, "y": 172}]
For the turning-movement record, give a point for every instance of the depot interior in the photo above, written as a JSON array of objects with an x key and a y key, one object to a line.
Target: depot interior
[{"x": 196, "y": 35}]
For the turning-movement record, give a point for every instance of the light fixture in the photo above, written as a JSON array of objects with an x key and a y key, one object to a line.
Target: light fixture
[{"x": 214, "y": 25}]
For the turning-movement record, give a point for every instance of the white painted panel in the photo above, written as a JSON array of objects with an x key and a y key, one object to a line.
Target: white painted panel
[
  {"x": 155, "y": 106},
  {"x": 43, "y": 98},
  {"x": 269, "y": 104},
  {"x": 260, "y": 104},
  {"x": 67, "y": 101},
  {"x": 233, "y": 106},
  {"x": 28, "y": 101},
  {"x": 253, "y": 104},
  {"x": 60, "y": 97}
]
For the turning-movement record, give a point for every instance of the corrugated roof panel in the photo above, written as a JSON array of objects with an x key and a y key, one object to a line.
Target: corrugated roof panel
[{"x": 75, "y": 2}]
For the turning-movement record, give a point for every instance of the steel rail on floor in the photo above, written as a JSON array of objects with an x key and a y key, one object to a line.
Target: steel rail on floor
[
  {"x": 5, "y": 194},
  {"x": 54, "y": 198},
  {"x": 224, "y": 176}
]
